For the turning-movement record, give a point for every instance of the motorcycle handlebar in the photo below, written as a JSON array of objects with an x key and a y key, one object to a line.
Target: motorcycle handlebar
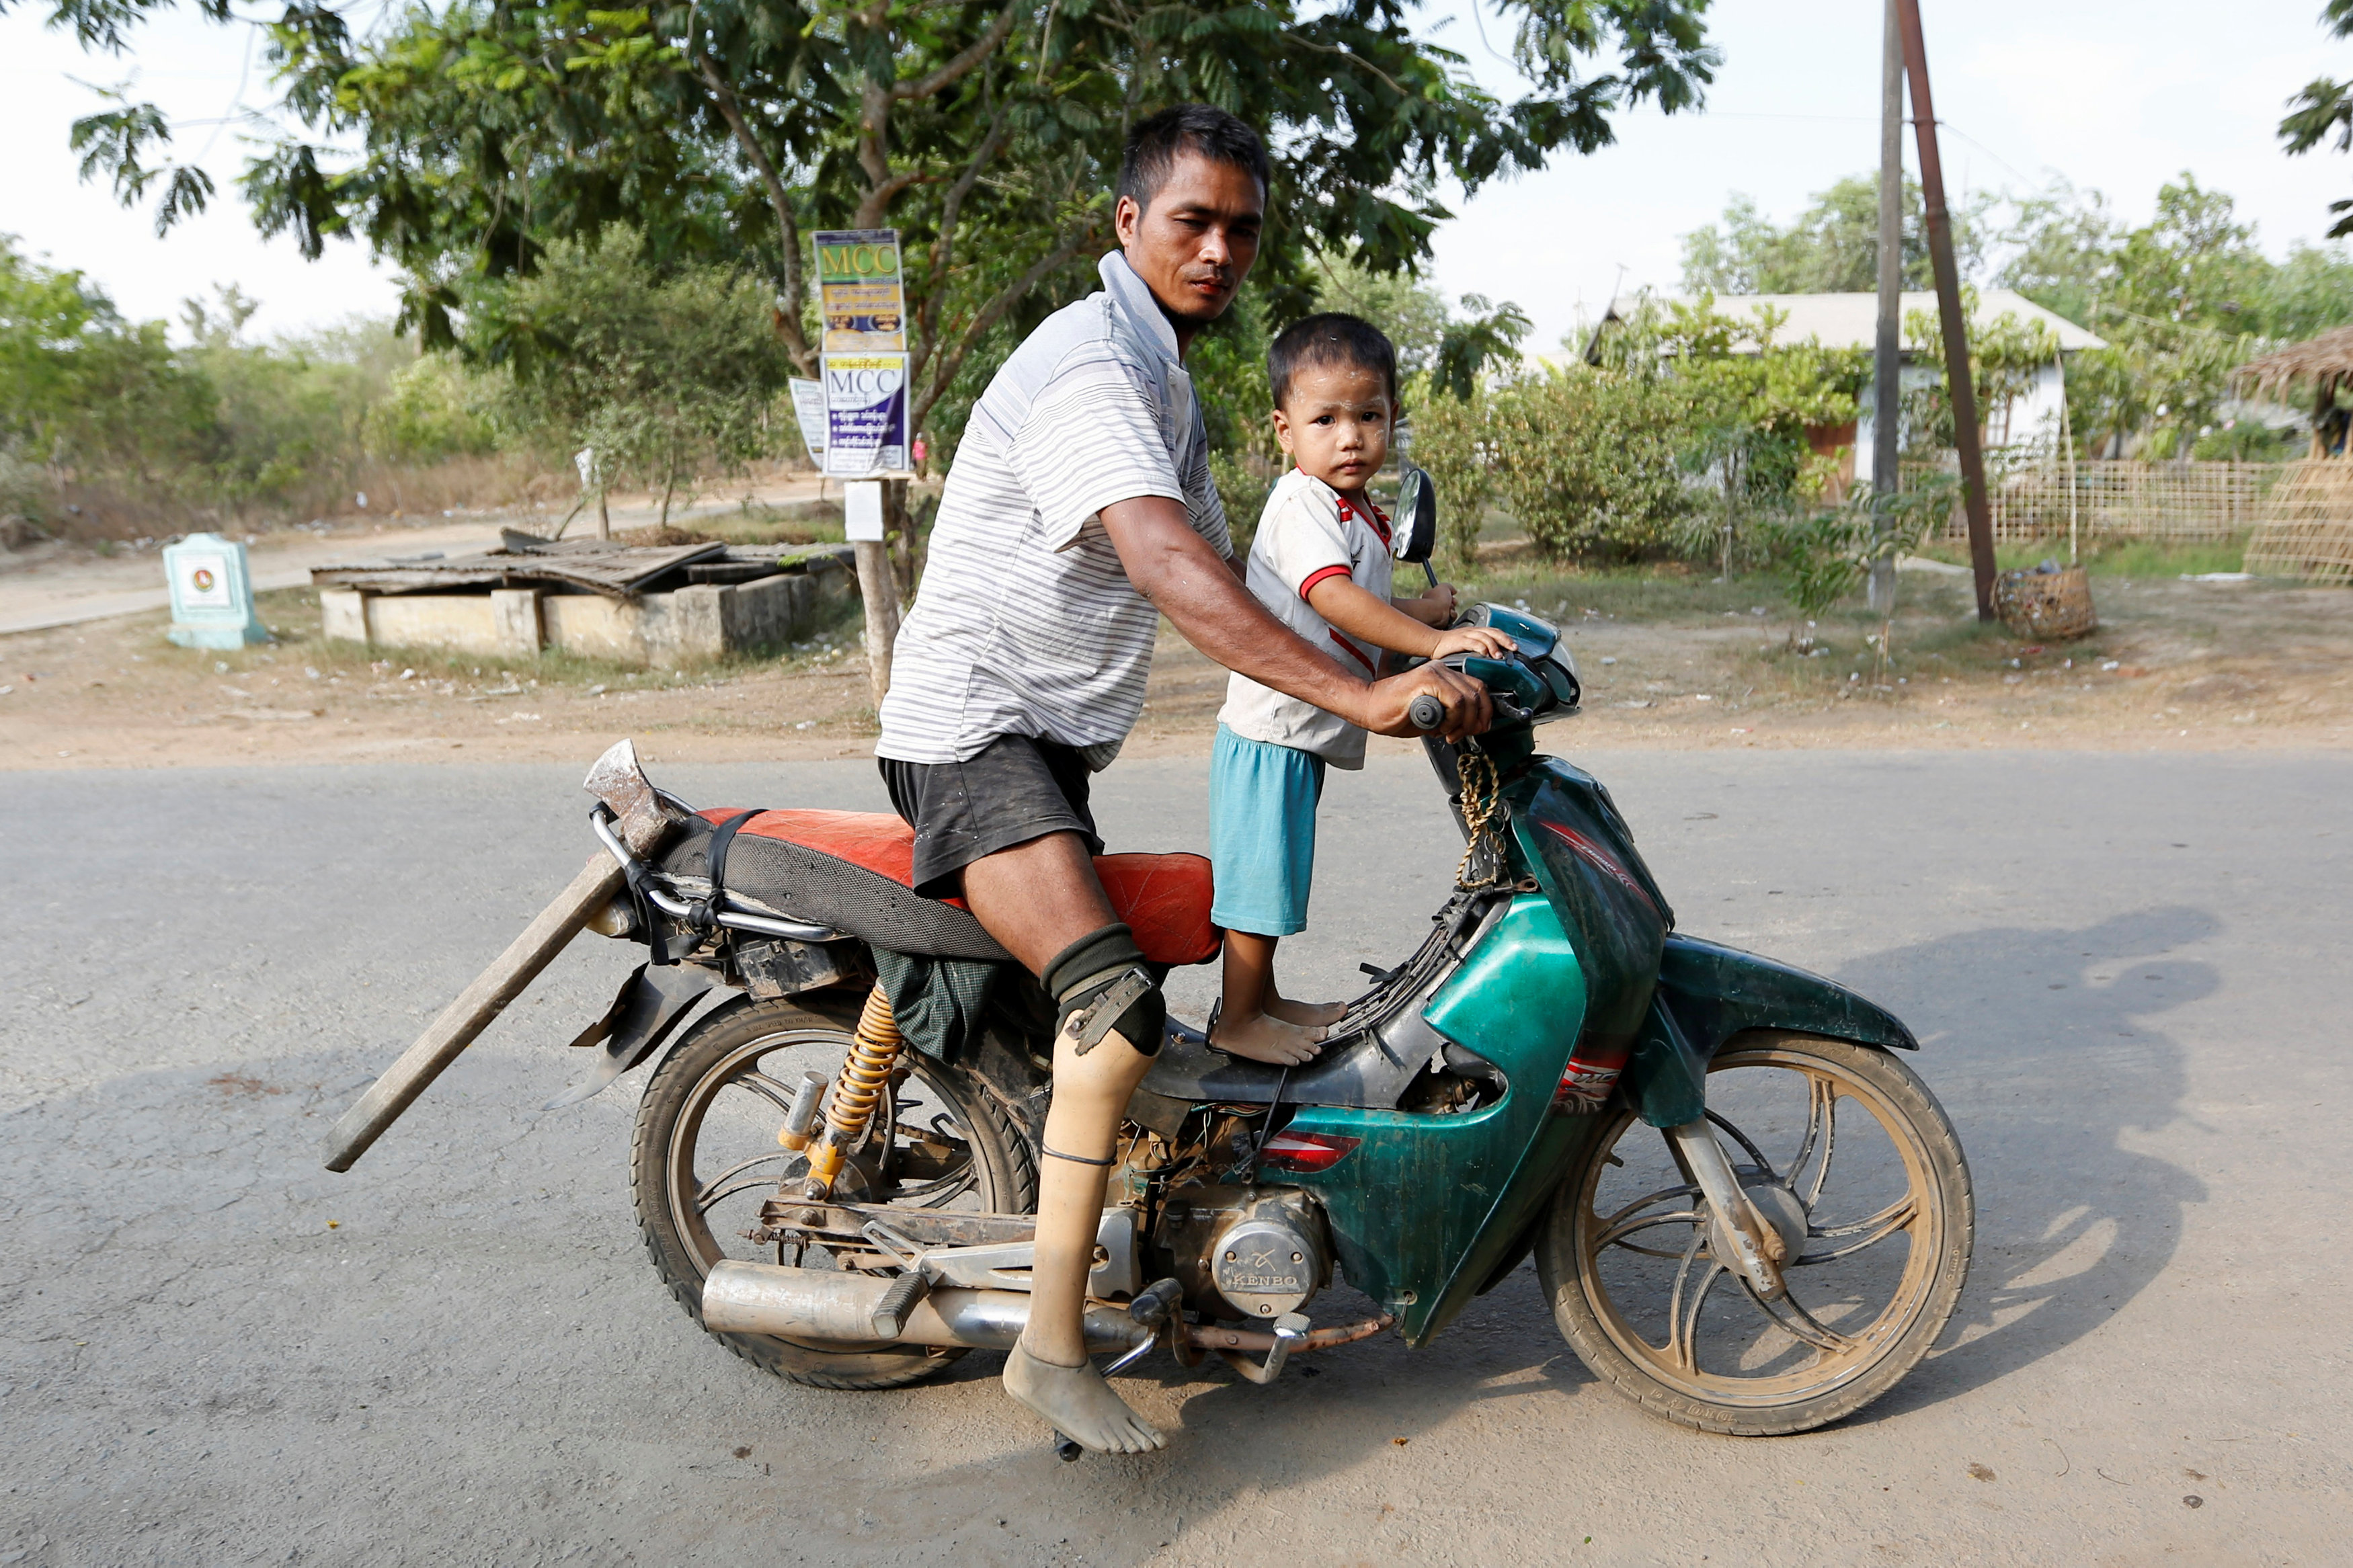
[{"x": 1426, "y": 712}]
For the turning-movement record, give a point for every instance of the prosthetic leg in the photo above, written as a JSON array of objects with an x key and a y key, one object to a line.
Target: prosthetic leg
[{"x": 1110, "y": 1004}]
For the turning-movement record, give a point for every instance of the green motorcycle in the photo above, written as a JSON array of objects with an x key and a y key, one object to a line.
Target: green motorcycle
[{"x": 1746, "y": 1213}]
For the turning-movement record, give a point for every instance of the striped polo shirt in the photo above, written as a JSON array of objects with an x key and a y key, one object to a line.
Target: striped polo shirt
[{"x": 1025, "y": 623}]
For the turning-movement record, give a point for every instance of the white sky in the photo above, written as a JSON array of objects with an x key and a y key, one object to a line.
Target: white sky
[{"x": 2116, "y": 96}]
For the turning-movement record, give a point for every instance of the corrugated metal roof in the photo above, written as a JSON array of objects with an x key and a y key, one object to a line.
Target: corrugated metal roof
[{"x": 1851, "y": 320}]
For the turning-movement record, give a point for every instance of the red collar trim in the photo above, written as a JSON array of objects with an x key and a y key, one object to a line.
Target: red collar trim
[{"x": 1372, "y": 515}]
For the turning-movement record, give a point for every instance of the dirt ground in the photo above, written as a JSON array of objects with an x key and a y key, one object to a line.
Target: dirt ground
[{"x": 1667, "y": 661}]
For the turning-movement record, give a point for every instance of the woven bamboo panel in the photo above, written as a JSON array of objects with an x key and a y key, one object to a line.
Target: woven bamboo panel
[
  {"x": 2171, "y": 502},
  {"x": 2308, "y": 527}
]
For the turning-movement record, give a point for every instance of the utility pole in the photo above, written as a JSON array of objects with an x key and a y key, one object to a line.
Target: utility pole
[
  {"x": 1887, "y": 388},
  {"x": 1949, "y": 307}
]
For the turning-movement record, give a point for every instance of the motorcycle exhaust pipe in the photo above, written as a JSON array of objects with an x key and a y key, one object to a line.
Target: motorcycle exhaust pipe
[{"x": 814, "y": 1304}]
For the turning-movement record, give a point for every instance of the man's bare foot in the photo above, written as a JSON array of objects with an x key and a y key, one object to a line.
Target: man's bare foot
[
  {"x": 1265, "y": 1039},
  {"x": 1080, "y": 1404},
  {"x": 1306, "y": 1014}
]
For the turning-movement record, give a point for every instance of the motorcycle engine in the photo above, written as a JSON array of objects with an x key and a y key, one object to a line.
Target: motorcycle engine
[{"x": 1246, "y": 1252}]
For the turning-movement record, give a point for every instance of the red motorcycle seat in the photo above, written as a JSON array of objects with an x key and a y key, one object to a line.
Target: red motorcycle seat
[{"x": 1164, "y": 899}]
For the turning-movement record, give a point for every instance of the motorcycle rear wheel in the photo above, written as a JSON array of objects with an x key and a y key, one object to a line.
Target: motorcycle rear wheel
[
  {"x": 711, "y": 1089},
  {"x": 1882, "y": 1244}
]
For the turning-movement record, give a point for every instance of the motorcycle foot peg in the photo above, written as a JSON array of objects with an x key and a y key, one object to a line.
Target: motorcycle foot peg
[
  {"x": 890, "y": 1311},
  {"x": 1067, "y": 1449},
  {"x": 1155, "y": 1303}
]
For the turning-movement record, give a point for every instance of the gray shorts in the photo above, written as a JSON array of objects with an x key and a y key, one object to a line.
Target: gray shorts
[{"x": 1015, "y": 790}]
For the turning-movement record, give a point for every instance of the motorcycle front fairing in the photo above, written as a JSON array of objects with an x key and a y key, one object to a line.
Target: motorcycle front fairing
[
  {"x": 1584, "y": 997},
  {"x": 1426, "y": 1208}
]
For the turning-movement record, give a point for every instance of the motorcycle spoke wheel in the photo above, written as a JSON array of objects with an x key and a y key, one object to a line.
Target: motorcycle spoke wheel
[
  {"x": 706, "y": 1159},
  {"x": 1850, "y": 1160}
]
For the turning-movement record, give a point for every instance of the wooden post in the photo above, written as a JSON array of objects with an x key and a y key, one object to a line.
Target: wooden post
[
  {"x": 2067, "y": 446},
  {"x": 862, "y": 520},
  {"x": 474, "y": 1010},
  {"x": 1949, "y": 307},
  {"x": 1886, "y": 372}
]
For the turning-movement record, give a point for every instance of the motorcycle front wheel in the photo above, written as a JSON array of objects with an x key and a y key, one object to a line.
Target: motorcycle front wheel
[
  {"x": 706, "y": 1158},
  {"x": 1850, "y": 1159}
]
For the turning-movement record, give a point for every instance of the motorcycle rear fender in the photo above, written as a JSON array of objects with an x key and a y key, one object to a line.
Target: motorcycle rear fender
[{"x": 1707, "y": 994}]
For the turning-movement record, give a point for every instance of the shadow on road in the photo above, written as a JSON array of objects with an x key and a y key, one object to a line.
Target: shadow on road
[{"x": 2057, "y": 1072}]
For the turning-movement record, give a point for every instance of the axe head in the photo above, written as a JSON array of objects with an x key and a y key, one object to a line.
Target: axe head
[{"x": 640, "y": 816}]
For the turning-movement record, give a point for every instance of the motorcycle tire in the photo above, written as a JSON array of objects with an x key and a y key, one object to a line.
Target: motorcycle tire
[
  {"x": 1604, "y": 1260},
  {"x": 718, "y": 1048}
]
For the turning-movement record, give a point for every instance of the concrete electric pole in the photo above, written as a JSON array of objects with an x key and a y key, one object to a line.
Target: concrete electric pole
[{"x": 1886, "y": 389}]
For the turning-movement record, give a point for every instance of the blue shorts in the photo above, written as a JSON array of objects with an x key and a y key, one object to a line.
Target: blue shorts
[{"x": 1262, "y": 833}]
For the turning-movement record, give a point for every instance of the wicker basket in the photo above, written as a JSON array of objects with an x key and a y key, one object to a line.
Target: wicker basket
[{"x": 2046, "y": 606}]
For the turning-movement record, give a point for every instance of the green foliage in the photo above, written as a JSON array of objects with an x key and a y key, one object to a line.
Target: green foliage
[
  {"x": 2181, "y": 300},
  {"x": 1830, "y": 247},
  {"x": 434, "y": 409},
  {"x": 1752, "y": 399},
  {"x": 2062, "y": 247},
  {"x": 1492, "y": 333},
  {"x": 221, "y": 423},
  {"x": 1451, "y": 439},
  {"x": 1412, "y": 314},
  {"x": 669, "y": 377},
  {"x": 81, "y": 386},
  {"x": 462, "y": 142},
  {"x": 2006, "y": 355},
  {"x": 1242, "y": 486},
  {"x": 2324, "y": 108},
  {"x": 1586, "y": 460},
  {"x": 1825, "y": 554},
  {"x": 1228, "y": 364}
]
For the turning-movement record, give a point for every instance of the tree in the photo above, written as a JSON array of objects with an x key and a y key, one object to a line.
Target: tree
[
  {"x": 668, "y": 376},
  {"x": 2326, "y": 106},
  {"x": 1832, "y": 247},
  {"x": 2063, "y": 248},
  {"x": 1465, "y": 348},
  {"x": 485, "y": 133}
]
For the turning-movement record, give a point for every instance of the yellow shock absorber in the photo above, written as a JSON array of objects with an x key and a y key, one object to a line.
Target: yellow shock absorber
[{"x": 873, "y": 1051}]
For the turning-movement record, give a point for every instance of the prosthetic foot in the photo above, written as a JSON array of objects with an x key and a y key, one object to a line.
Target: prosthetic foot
[
  {"x": 1096, "y": 1067},
  {"x": 1079, "y": 1403}
]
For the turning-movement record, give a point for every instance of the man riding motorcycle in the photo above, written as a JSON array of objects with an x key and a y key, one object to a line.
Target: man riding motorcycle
[{"x": 1078, "y": 509}]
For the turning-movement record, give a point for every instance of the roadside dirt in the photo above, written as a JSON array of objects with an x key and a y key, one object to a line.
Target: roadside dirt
[
  {"x": 58, "y": 583},
  {"x": 2175, "y": 666}
]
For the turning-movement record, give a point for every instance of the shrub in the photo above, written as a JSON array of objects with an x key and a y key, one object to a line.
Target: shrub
[{"x": 1585, "y": 459}]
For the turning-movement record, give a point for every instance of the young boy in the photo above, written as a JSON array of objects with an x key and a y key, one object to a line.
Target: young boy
[{"x": 1321, "y": 564}]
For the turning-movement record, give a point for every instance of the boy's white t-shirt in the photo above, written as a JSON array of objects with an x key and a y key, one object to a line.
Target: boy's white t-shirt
[{"x": 1306, "y": 534}]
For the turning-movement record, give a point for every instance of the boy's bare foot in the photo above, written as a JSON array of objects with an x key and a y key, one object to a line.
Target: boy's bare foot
[
  {"x": 1306, "y": 1014},
  {"x": 1265, "y": 1039},
  {"x": 1079, "y": 1403}
]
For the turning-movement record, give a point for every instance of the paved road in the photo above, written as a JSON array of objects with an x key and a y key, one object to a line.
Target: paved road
[{"x": 2125, "y": 971}]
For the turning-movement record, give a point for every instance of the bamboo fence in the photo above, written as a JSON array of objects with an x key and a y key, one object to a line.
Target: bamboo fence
[
  {"x": 2307, "y": 530},
  {"x": 2175, "y": 502}
]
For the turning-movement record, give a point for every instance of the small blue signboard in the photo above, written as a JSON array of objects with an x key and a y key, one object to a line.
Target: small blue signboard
[{"x": 211, "y": 593}]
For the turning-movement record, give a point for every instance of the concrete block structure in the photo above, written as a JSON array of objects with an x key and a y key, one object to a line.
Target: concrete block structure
[{"x": 694, "y": 624}]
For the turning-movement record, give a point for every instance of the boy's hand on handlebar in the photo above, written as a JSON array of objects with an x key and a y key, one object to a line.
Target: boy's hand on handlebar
[
  {"x": 1467, "y": 710},
  {"x": 1434, "y": 608},
  {"x": 1485, "y": 641}
]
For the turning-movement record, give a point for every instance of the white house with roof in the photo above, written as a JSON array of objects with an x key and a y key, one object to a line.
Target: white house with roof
[{"x": 1851, "y": 321}]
